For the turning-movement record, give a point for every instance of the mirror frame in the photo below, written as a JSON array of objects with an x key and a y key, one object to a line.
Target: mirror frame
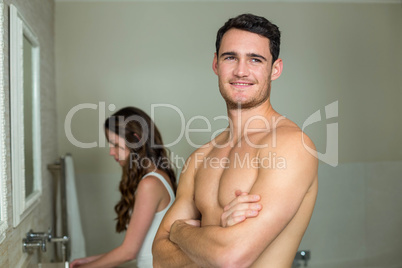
[
  {"x": 3, "y": 156},
  {"x": 22, "y": 205}
]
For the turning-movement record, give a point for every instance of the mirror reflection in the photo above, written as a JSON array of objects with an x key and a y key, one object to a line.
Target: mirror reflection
[{"x": 28, "y": 117}]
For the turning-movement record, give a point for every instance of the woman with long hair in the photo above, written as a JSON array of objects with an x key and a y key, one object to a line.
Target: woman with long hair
[{"x": 147, "y": 187}]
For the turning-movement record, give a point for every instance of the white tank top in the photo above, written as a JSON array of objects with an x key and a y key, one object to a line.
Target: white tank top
[{"x": 144, "y": 256}]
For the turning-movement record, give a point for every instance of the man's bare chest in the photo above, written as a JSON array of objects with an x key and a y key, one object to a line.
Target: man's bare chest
[{"x": 219, "y": 175}]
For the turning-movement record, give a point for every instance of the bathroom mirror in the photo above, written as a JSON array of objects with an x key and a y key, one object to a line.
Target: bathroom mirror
[{"x": 25, "y": 116}]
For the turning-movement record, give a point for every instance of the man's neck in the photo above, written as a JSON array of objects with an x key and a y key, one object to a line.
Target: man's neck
[{"x": 257, "y": 119}]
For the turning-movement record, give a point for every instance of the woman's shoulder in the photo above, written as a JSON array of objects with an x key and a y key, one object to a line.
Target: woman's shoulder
[{"x": 151, "y": 182}]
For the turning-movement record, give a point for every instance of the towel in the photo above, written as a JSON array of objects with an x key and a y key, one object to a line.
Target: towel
[{"x": 77, "y": 240}]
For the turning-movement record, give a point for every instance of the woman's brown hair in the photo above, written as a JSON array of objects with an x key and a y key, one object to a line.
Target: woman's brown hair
[{"x": 144, "y": 141}]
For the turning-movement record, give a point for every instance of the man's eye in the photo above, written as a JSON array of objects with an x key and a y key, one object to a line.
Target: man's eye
[
  {"x": 229, "y": 58},
  {"x": 256, "y": 60}
]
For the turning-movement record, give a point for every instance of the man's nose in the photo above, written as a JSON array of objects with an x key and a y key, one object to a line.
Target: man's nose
[
  {"x": 112, "y": 151},
  {"x": 241, "y": 69}
]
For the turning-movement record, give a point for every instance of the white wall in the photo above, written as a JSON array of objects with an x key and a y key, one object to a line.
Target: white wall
[{"x": 161, "y": 53}]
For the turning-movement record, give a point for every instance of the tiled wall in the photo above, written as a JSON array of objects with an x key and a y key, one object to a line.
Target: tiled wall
[{"x": 40, "y": 15}]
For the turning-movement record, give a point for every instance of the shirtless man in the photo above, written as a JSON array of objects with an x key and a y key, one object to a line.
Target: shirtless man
[{"x": 261, "y": 155}]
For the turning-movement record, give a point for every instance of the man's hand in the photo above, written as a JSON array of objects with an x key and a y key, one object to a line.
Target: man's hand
[
  {"x": 243, "y": 206},
  {"x": 175, "y": 228},
  {"x": 195, "y": 223}
]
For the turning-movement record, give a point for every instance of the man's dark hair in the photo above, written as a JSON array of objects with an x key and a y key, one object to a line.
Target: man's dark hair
[{"x": 254, "y": 24}]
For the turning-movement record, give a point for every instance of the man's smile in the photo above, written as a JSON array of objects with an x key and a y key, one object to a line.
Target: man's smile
[{"x": 241, "y": 84}]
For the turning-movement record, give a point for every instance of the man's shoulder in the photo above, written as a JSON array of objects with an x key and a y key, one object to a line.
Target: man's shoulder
[
  {"x": 220, "y": 141},
  {"x": 289, "y": 141},
  {"x": 292, "y": 154},
  {"x": 280, "y": 131},
  {"x": 292, "y": 135}
]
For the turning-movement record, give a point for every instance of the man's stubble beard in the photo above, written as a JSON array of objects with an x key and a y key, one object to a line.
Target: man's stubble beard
[{"x": 249, "y": 104}]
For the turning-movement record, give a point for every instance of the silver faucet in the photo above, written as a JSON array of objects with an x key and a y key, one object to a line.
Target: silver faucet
[
  {"x": 31, "y": 235},
  {"x": 35, "y": 240},
  {"x": 301, "y": 255},
  {"x": 29, "y": 245},
  {"x": 63, "y": 240}
]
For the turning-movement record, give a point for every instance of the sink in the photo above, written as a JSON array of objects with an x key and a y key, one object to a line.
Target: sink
[{"x": 54, "y": 265}]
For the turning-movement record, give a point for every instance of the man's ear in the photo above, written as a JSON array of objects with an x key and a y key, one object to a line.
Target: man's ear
[
  {"x": 276, "y": 69},
  {"x": 215, "y": 64}
]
